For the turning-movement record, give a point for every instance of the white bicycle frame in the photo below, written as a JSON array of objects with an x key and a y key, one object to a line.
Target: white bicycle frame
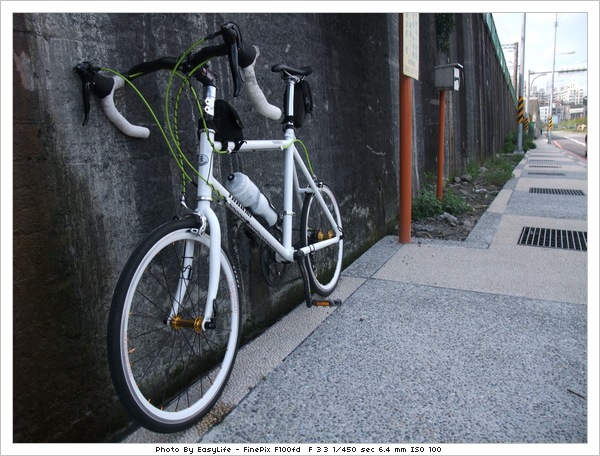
[{"x": 209, "y": 185}]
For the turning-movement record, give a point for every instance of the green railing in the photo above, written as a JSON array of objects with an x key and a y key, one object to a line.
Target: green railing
[{"x": 489, "y": 20}]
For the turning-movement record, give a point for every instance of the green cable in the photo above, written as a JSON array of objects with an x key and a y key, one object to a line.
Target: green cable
[
  {"x": 180, "y": 157},
  {"x": 177, "y": 140},
  {"x": 152, "y": 113},
  {"x": 305, "y": 153}
]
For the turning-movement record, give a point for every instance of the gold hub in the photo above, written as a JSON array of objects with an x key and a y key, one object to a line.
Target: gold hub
[
  {"x": 321, "y": 235},
  {"x": 177, "y": 323}
]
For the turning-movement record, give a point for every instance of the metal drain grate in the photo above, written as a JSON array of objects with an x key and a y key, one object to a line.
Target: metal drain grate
[
  {"x": 556, "y": 191},
  {"x": 553, "y": 238},
  {"x": 544, "y": 174},
  {"x": 543, "y": 166}
]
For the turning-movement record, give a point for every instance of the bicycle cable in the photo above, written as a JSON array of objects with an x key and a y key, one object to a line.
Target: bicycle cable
[
  {"x": 162, "y": 131},
  {"x": 178, "y": 155}
]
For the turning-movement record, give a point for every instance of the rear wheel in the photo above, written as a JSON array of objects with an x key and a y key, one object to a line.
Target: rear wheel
[
  {"x": 167, "y": 369},
  {"x": 324, "y": 266}
]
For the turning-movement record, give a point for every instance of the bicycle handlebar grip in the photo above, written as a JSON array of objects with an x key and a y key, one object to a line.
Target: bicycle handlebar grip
[
  {"x": 256, "y": 95},
  {"x": 108, "y": 106}
]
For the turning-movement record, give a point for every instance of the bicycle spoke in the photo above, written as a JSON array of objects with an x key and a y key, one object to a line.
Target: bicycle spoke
[{"x": 167, "y": 366}]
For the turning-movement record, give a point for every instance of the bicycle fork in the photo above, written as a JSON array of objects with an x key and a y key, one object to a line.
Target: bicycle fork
[
  {"x": 208, "y": 219},
  {"x": 199, "y": 323}
]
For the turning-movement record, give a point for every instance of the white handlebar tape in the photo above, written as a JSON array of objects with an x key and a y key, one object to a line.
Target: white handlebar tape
[
  {"x": 108, "y": 105},
  {"x": 256, "y": 95}
]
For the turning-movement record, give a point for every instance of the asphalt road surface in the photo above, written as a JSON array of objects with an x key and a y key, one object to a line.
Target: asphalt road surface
[{"x": 572, "y": 141}]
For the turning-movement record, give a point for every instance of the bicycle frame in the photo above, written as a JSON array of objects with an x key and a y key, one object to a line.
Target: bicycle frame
[
  {"x": 209, "y": 186},
  {"x": 175, "y": 320}
]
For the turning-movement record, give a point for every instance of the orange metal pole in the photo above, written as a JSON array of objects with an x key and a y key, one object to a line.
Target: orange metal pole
[
  {"x": 440, "y": 170},
  {"x": 405, "y": 158},
  {"x": 405, "y": 187}
]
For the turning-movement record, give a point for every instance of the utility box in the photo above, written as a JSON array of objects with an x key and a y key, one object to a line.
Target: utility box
[{"x": 447, "y": 77}]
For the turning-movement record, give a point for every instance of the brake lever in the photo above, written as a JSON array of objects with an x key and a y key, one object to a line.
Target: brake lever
[
  {"x": 235, "y": 70},
  {"x": 86, "y": 72},
  {"x": 92, "y": 82},
  {"x": 233, "y": 38}
]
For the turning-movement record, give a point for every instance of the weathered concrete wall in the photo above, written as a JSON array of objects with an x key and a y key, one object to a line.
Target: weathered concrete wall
[
  {"x": 478, "y": 116},
  {"x": 85, "y": 196}
]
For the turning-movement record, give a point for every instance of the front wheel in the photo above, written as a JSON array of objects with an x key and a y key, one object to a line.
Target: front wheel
[
  {"x": 167, "y": 369},
  {"x": 324, "y": 266}
]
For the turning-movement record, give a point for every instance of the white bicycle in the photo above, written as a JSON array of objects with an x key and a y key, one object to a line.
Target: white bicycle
[{"x": 174, "y": 324}]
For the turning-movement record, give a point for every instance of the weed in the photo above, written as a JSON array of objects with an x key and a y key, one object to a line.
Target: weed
[
  {"x": 500, "y": 169},
  {"x": 510, "y": 143},
  {"x": 426, "y": 204},
  {"x": 453, "y": 203},
  {"x": 473, "y": 169}
]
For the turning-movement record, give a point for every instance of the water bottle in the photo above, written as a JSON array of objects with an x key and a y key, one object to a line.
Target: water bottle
[{"x": 248, "y": 194}]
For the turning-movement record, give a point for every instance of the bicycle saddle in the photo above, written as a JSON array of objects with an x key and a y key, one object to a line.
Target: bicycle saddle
[{"x": 280, "y": 67}]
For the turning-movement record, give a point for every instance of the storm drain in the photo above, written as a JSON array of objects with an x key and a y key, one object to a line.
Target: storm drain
[
  {"x": 556, "y": 191},
  {"x": 554, "y": 238},
  {"x": 543, "y": 166},
  {"x": 544, "y": 174}
]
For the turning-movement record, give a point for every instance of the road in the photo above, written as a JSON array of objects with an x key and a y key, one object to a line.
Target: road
[{"x": 572, "y": 141}]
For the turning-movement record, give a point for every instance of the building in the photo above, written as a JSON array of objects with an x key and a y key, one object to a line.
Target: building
[
  {"x": 577, "y": 113},
  {"x": 560, "y": 112},
  {"x": 571, "y": 95},
  {"x": 540, "y": 94}
]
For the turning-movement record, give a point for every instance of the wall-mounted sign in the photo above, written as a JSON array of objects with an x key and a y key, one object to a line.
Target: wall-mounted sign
[{"x": 410, "y": 48}]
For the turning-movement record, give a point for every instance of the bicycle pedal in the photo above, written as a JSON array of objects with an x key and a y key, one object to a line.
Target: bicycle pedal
[{"x": 326, "y": 302}]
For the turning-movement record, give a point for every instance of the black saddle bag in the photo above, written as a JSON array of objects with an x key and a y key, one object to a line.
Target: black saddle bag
[{"x": 303, "y": 102}]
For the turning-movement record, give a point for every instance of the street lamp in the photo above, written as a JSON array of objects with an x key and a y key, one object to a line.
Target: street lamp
[
  {"x": 529, "y": 85},
  {"x": 529, "y": 73},
  {"x": 552, "y": 84},
  {"x": 543, "y": 73}
]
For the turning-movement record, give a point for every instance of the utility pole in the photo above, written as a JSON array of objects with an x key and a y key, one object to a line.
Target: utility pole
[
  {"x": 521, "y": 78},
  {"x": 552, "y": 89},
  {"x": 515, "y": 48}
]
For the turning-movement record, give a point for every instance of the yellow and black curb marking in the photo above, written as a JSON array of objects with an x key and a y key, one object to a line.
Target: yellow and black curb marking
[{"x": 521, "y": 110}]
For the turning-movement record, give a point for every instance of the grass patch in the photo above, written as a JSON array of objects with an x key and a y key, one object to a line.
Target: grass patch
[
  {"x": 500, "y": 169},
  {"x": 426, "y": 204},
  {"x": 510, "y": 143},
  {"x": 453, "y": 203}
]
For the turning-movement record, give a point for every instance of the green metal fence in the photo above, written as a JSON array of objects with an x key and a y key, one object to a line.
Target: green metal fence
[{"x": 489, "y": 20}]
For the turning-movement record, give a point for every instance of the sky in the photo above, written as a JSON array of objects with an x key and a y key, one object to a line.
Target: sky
[{"x": 571, "y": 44}]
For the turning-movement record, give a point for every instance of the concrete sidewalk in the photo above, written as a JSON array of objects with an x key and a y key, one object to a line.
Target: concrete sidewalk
[{"x": 450, "y": 342}]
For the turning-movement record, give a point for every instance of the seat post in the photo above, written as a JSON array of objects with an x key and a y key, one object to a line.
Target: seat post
[
  {"x": 290, "y": 82},
  {"x": 291, "y": 76},
  {"x": 289, "y": 102}
]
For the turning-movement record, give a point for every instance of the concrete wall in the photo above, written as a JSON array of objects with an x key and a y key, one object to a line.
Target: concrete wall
[
  {"x": 478, "y": 116},
  {"x": 85, "y": 196}
]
